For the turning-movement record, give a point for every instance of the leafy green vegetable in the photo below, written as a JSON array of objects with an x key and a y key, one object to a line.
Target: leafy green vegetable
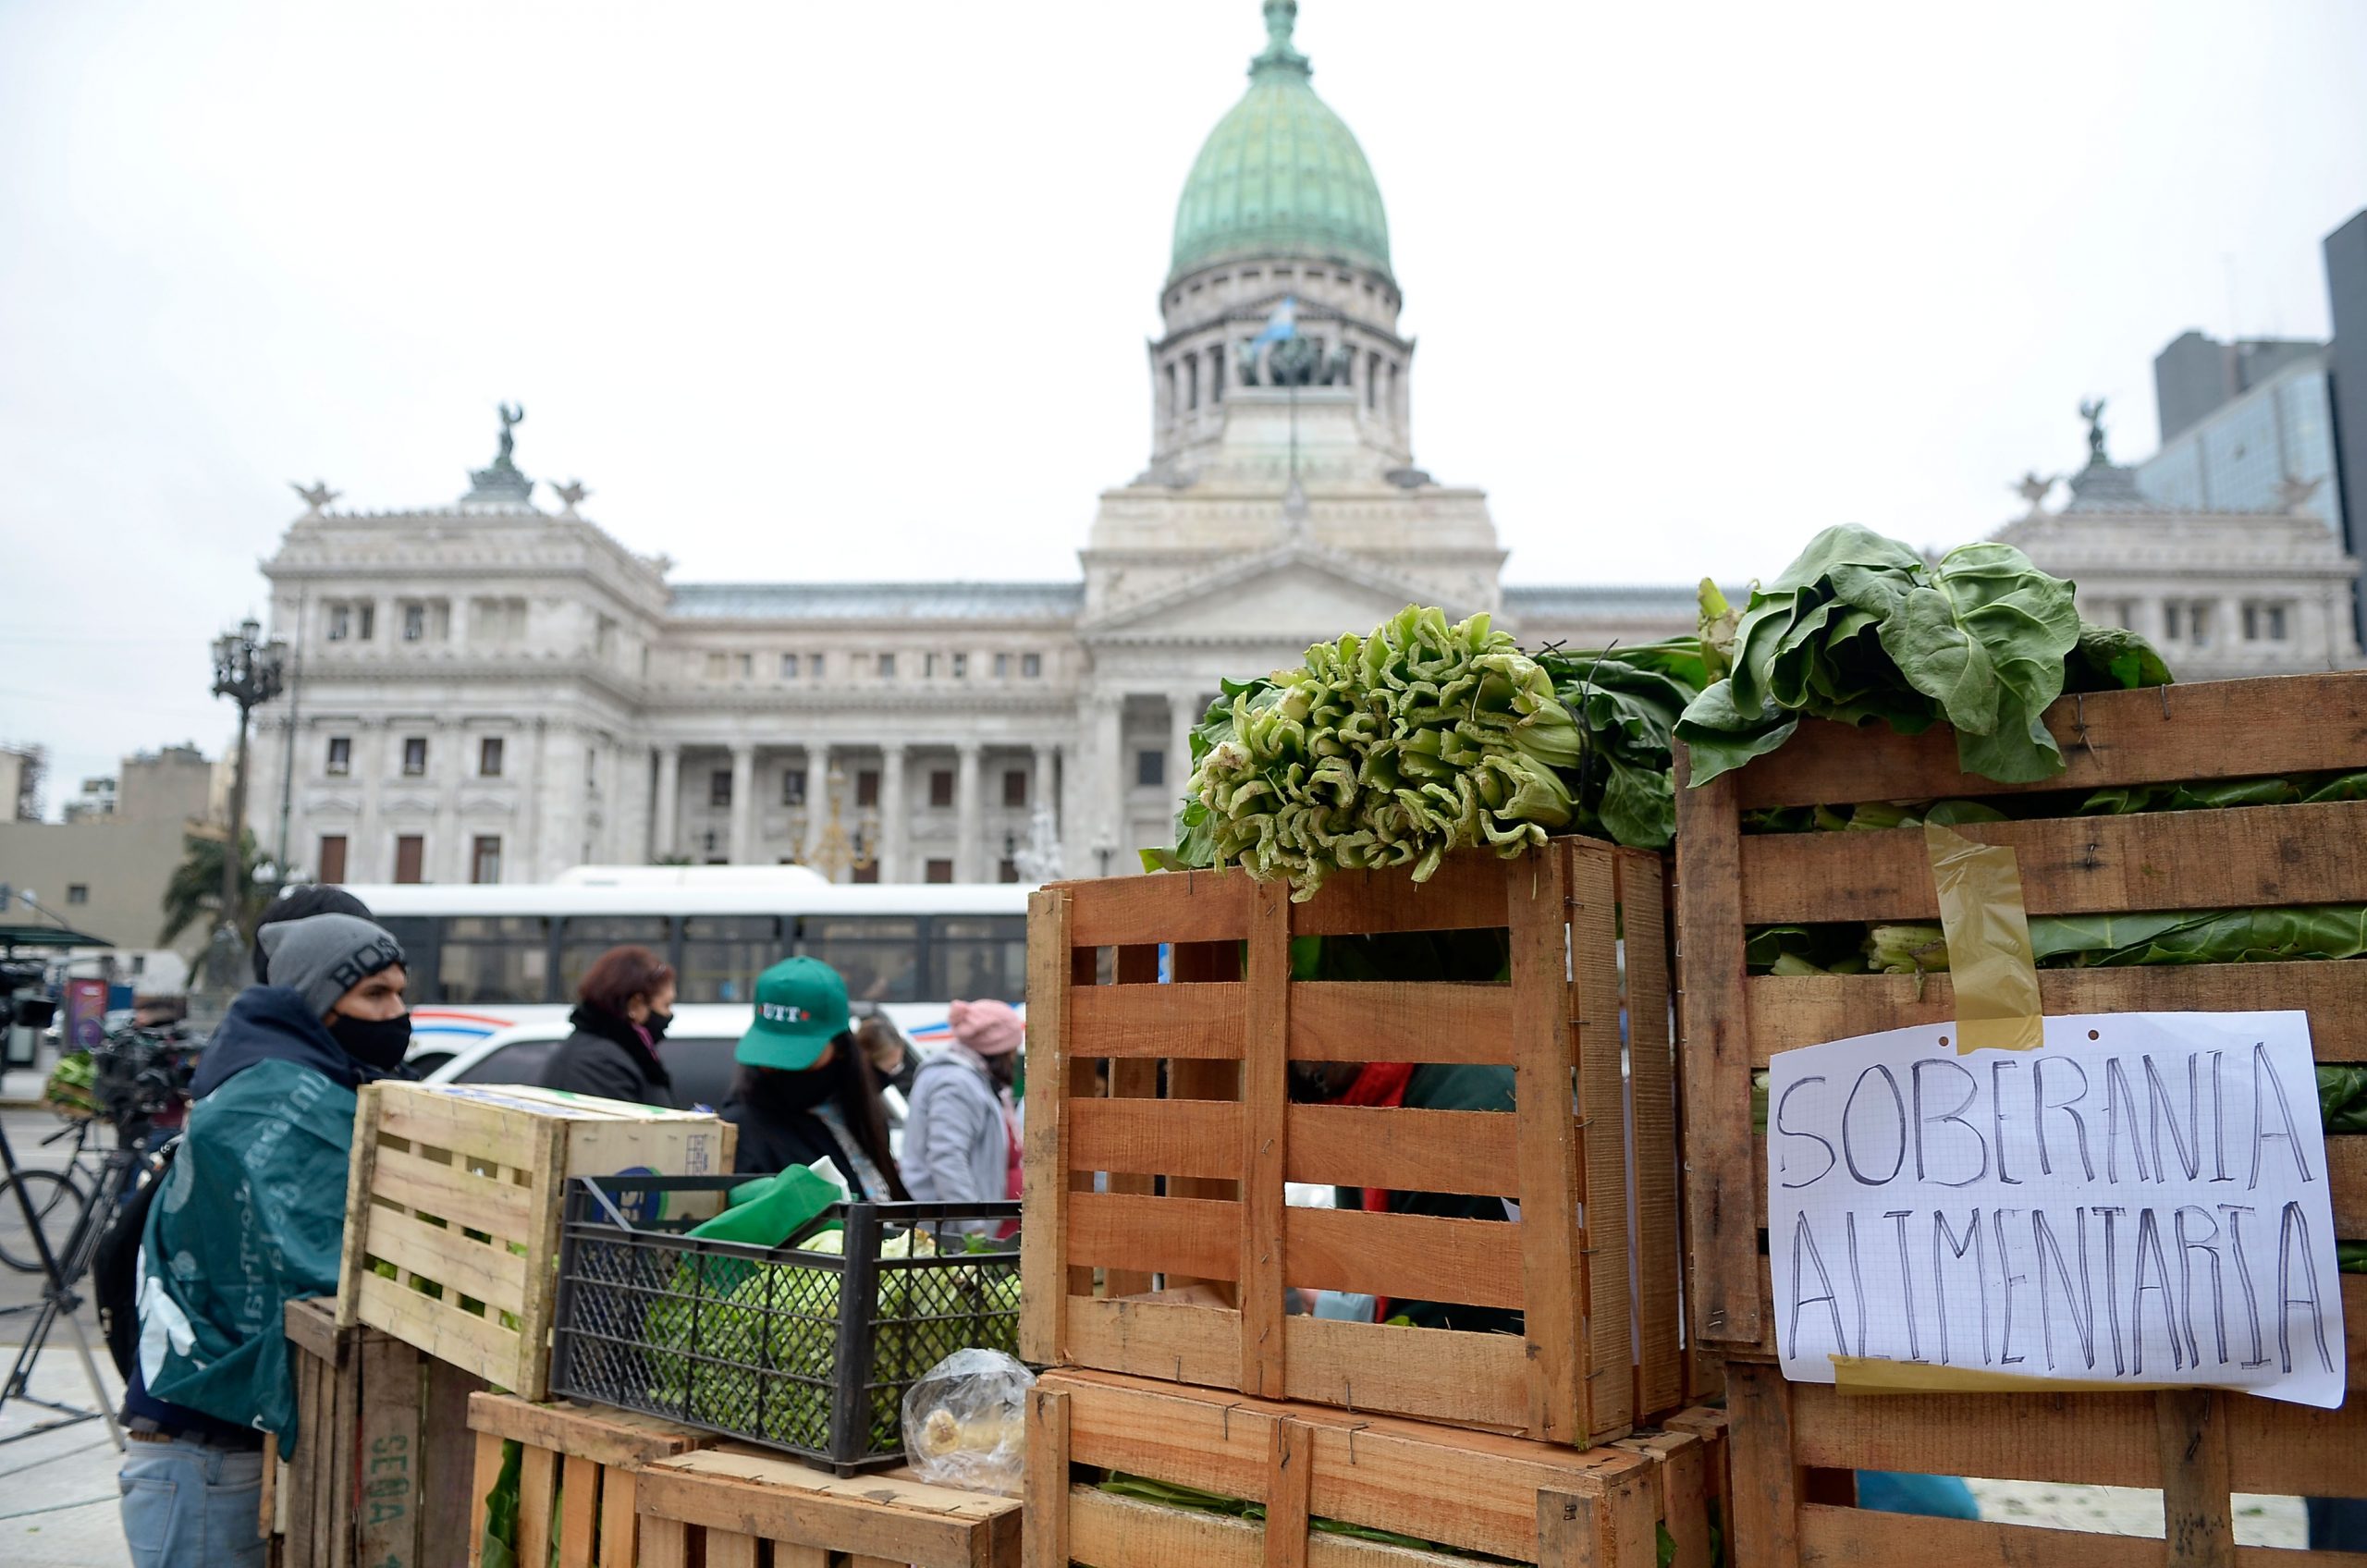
[
  {"x": 1626, "y": 702},
  {"x": 1861, "y": 627},
  {"x": 2342, "y": 1097},
  {"x": 2351, "y": 1257}
]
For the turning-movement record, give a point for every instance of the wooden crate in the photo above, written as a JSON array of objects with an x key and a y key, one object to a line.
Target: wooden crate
[
  {"x": 379, "y": 1478},
  {"x": 734, "y": 1507},
  {"x": 1733, "y": 1023},
  {"x": 457, "y": 1188},
  {"x": 1532, "y": 1502},
  {"x": 576, "y": 1477},
  {"x": 1195, "y": 1137}
]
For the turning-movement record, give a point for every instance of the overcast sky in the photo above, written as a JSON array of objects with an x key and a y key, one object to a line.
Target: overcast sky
[{"x": 860, "y": 289}]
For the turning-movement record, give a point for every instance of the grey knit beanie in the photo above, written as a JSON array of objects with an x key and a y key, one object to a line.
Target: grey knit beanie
[{"x": 324, "y": 956}]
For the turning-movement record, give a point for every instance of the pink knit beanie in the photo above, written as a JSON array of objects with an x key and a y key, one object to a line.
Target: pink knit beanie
[{"x": 989, "y": 1028}]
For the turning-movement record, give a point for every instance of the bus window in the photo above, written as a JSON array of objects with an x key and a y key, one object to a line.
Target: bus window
[
  {"x": 493, "y": 959},
  {"x": 584, "y": 937},
  {"x": 722, "y": 955},
  {"x": 879, "y": 957},
  {"x": 418, "y": 937},
  {"x": 975, "y": 956}
]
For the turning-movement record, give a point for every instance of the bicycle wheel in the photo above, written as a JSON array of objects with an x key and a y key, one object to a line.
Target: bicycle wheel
[{"x": 57, "y": 1203}]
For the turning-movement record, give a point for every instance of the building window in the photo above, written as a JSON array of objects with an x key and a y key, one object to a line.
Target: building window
[
  {"x": 2188, "y": 621},
  {"x": 1007, "y": 871},
  {"x": 414, "y": 623},
  {"x": 1014, "y": 787},
  {"x": 718, "y": 787},
  {"x": 2265, "y": 623},
  {"x": 864, "y": 873},
  {"x": 329, "y": 864},
  {"x": 961, "y": 667},
  {"x": 414, "y": 756},
  {"x": 866, "y": 788},
  {"x": 1031, "y": 665},
  {"x": 1002, "y": 666},
  {"x": 1150, "y": 767},
  {"x": 789, "y": 667},
  {"x": 78, "y": 892},
  {"x": 341, "y": 622},
  {"x": 590, "y": 775},
  {"x": 814, "y": 666},
  {"x": 489, "y": 757},
  {"x": 340, "y": 761},
  {"x": 887, "y": 667},
  {"x": 928, "y": 666},
  {"x": 793, "y": 787},
  {"x": 718, "y": 667},
  {"x": 365, "y": 619},
  {"x": 484, "y": 858},
  {"x": 938, "y": 871},
  {"x": 941, "y": 787},
  {"x": 410, "y": 857},
  {"x": 747, "y": 666}
]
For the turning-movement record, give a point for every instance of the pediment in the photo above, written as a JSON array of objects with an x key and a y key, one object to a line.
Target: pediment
[{"x": 1300, "y": 593}]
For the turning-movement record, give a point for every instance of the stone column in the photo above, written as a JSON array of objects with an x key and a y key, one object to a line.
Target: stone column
[
  {"x": 450, "y": 766},
  {"x": 367, "y": 859},
  {"x": 1183, "y": 710},
  {"x": 1107, "y": 817},
  {"x": 1043, "y": 792},
  {"x": 895, "y": 819},
  {"x": 968, "y": 813},
  {"x": 818, "y": 802},
  {"x": 744, "y": 803},
  {"x": 665, "y": 823}
]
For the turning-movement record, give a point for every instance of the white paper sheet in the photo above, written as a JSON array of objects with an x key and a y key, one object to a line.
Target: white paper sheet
[{"x": 2144, "y": 1200}]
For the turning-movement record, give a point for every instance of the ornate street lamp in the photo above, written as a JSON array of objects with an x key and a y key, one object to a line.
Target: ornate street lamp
[{"x": 250, "y": 674}]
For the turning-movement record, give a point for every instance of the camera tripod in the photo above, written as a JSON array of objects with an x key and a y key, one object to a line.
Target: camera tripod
[{"x": 64, "y": 1271}]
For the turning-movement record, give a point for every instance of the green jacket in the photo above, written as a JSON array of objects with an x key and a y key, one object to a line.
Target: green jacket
[{"x": 251, "y": 1215}]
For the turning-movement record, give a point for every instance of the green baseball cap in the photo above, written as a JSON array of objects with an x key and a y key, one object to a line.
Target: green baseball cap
[{"x": 801, "y": 1008}]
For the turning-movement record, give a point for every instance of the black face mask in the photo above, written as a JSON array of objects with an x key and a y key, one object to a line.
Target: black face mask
[
  {"x": 376, "y": 1042},
  {"x": 656, "y": 1024}
]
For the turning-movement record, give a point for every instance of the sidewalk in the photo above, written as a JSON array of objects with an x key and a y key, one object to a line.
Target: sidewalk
[{"x": 57, "y": 1489}]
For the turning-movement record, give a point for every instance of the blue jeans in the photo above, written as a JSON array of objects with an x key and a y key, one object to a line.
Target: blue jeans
[{"x": 187, "y": 1504}]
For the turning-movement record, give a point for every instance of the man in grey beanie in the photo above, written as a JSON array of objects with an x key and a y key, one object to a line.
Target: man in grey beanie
[{"x": 252, "y": 1214}]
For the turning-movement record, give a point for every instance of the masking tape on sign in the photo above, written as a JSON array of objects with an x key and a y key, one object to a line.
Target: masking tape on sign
[{"x": 1990, "y": 961}]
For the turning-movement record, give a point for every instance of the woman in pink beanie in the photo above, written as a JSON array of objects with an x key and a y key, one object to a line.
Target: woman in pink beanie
[{"x": 960, "y": 1141}]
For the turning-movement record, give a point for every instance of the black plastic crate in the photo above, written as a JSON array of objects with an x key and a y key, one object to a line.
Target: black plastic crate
[{"x": 751, "y": 1341}]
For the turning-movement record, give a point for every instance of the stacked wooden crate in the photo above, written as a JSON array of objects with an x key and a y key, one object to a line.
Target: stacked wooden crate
[
  {"x": 1158, "y": 1244},
  {"x": 1794, "y": 1445},
  {"x": 380, "y": 1476}
]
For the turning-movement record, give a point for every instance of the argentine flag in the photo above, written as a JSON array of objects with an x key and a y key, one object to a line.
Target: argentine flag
[{"x": 1283, "y": 324}]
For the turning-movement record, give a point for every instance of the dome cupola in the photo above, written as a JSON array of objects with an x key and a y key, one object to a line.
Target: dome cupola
[{"x": 1281, "y": 174}]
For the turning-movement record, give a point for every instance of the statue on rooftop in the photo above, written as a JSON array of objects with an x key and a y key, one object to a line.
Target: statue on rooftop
[
  {"x": 2092, "y": 411},
  {"x": 511, "y": 417}
]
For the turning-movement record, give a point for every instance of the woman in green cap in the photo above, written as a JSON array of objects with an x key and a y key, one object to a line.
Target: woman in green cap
[{"x": 804, "y": 1090}]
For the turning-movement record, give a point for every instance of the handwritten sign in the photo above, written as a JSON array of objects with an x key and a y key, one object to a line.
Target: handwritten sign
[{"x": 2142, "y": 1202}]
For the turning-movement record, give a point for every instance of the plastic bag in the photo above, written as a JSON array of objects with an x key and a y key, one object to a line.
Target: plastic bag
[{"x": 966, "y": 1422}]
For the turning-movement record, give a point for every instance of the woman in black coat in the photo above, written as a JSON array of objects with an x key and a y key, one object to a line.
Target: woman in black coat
[{"x": 621, "y": 1011}]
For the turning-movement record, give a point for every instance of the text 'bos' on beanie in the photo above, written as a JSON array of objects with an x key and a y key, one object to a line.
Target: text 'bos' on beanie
[{"x": 324, "y": 956}]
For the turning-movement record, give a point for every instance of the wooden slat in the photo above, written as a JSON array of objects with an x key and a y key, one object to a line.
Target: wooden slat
[
  {"x": 729, "y": 1549},
  {"x": 1045, "y": 1224},
  {"x": 2198, "y": 1524},
  {"x": 1715, "y": 1056},
  {"x": 1435, "y": 1373},
  {"x": 483, "y": 1478},
  {"x": 1189, "y": 1020},
  {"x": 1466, "y": 893},
  {"x": 311, "y": 1325},
  {"x": 1193, "y": 1236},
  {"x": 665, "y": 1543},
  {"x": 1470, "y": 1152},
  {"x": 1660, "y": 1362},
  {"x": 1788, "y": 1012},
  {"x": 1131, "y": 1078},
  {"x": 1044, "y": 1530},
  {"x": 2236, "y": 858},
  {"x": 2215, "y": 730},
  {"x": 1290, "y": 1474},
  {"x": 2292, "y": 1450},
  {"x": 619, "y": 1519},
  {"x": 1410, "y": 1257},
  {"x": 343, "y": 1446},
  {"x": 479, "y": 1344},
  {"x": 579, "y": 1512},
  {"x": 597, "y": 1433},
  {"x": 2105, "y": 1440},
  {"x": 1680, "y": 1481},
  {"x": 1401, "y": 1021},
  {"x": 1184, "y": 1344},
  {"x": 1265, "y": 1099},
  {"x": 1124, "y": 1532},
  {"x": 1115, "y": 912},
  {"x": 1860, "y": 1537},
  {"x": 531, "y": 1379},
  {"x": 486, "y": 1271},
  {"x": 1762, "y": 1531},
  {"x": 1161, "y": 1137},
  {"x": 537, "y": 1493},
  {"x": 1550, "y": 1156},
  {"x": 360, "y": 1172},
  {"x": 450, "y": 1193},
  {"x": 472, "y": 1131},
  {"x": 444, "y": 1504},
  {"x": 388, "y": 1452},
  {"x": 1603, "y": 1146},
  {"x": 778, "y": 1500}
]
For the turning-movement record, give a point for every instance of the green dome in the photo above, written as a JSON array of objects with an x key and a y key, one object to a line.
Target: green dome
[{"x": 1281, "y": 173}]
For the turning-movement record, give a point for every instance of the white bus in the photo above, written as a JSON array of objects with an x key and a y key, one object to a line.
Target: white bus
[{"x": 486, "y": 958}]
